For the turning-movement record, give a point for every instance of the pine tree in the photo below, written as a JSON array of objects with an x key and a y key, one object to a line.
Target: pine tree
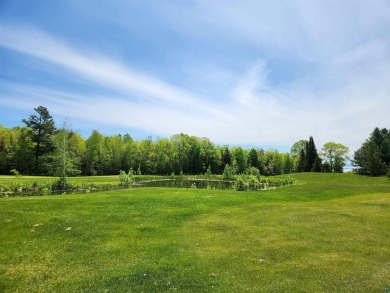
[
  {"x": 42, "y": 130},
  {"x": 301, "y": 161},
  {"x": 373, "y": 157},
  {"x": 253, "y": 158},
  {"x": 311, "y": 155},
  {"x": 316, "y": 165},
  {"x": 226, "y": 157}
]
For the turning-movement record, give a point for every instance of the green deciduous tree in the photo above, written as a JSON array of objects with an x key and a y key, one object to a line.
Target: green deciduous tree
[
  {"x": 181, "y": 148},
  {"x": 211, "y": 157},
  {"x": 273, "y": 162},
  {"x": 288, "y": 163},
  {"x": 23, "y": 159},
  {"x": 113, "y": 154},
  {"x": 297, "y": 147},
  {"x": 239, "y": 160},
  {"x": 147, "y": 154},
  {"x": 8, "y": 146},
  {"x": 61, "y": 163},
  {"x": 195, "y": 157},
  {"x": 67, "y": 158},
  {"x": 336, "y": 155},
  {"x": 94, "y": 162},
  {"x": 130, "y": 153},
  {"x": 164, "y": 162}
]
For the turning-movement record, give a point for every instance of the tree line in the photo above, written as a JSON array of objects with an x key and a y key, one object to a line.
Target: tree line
[{"x": 39, "y": 148}]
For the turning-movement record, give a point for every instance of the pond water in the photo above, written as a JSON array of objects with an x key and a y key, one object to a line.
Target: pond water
[
  {"x": 198, "y": 183},
  {"x": 188, "y": 183}
]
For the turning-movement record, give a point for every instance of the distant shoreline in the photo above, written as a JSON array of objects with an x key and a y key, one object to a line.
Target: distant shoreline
[{"x": 347, "y": 169}]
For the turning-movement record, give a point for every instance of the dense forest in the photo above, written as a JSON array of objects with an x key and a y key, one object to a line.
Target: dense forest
[{"x": 39, "y": 148}]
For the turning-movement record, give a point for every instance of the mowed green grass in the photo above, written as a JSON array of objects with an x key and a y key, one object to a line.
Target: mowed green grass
[{"x": 330, "y": 234}]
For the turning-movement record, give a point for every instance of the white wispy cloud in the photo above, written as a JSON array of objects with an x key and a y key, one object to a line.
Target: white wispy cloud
[
  {"x": 342, "y": 95},
  {"x": 100, "y": 70}
]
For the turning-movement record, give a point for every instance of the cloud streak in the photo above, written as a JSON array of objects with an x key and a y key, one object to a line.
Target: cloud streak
[
  {"x": 100, "y": 70},
  {"x": 338, "y": 89}
]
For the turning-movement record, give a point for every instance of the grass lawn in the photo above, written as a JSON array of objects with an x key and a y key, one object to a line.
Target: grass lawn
[{"x": 330, "y": 234}]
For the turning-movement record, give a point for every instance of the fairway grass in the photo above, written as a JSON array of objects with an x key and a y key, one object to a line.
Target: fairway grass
[{"x": 330, "y": 234}]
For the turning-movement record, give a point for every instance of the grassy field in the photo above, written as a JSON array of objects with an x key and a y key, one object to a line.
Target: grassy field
[{"x": 330, "y": 234}]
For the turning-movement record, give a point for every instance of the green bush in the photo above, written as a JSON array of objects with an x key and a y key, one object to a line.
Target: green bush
[
  {"x": 208, "y": 172},
  {"x": 248, "y": 183},
  {"x": 283, "y": 181},
  {"x": 228, "y": 173},
  {"x": 60, "y": 184},
  {"x": 254, "y": 171},
  {"x": 253, "y": 183},
  {"x": 16, "y": 173},
  {"x": 241, "y": 183},
  {"x": 125, "y": 179}
]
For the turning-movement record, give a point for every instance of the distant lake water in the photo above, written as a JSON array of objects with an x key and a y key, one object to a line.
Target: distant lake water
[{"x": 347, "y": 169}]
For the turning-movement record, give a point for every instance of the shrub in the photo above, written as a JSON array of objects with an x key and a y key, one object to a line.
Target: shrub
[
  {"x": 208, "y": 172},
  {"x": 241, "y": 183},
  {"x": 248, "y": 183},
  {"x": 253, "y": 183},
  {"x": 61, "y": 184},
  {"x": 125, "y": 179},
  {"x": 228, "y": 172},
  {"x": 284, "y": 181},
  {"x": 254, "y": 171},
  {"x": 16, "y": 173}
]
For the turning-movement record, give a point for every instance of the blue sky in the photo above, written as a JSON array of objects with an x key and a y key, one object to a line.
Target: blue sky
[{"x": 258, "y": 73}]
